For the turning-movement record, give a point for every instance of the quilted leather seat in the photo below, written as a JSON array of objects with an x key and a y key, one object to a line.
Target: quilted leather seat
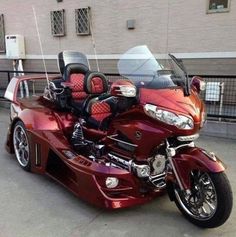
[
  {"x": 98, "y": 108},
  {"x": 77, "y": 82},
  {"x": 74, "y": 77}
]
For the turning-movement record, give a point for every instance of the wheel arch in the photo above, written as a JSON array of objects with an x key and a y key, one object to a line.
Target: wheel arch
[
  {"x": 39, "y": 119},
  {"x": 9, "y": 141},
  {"x": 195, "y": 159},
  {"x": 33, "y": 120}
]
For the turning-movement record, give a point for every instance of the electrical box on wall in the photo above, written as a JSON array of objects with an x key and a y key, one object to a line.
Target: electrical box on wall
[{"x": 15, "y": 46}]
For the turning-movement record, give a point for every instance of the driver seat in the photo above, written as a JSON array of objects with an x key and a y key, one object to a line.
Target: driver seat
[{"x": 74, "y": 78}]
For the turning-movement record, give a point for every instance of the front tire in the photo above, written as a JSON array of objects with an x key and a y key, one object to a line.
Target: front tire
[
  {"x": 21, "y": 146},
  {"x": 209, "y": 202}
]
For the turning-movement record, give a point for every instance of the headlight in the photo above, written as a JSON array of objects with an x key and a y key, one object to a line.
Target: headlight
[{"x": 180, "y": 121}]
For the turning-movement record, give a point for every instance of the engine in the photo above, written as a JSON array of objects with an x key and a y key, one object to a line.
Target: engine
[
  {"x": 158, "y": 170},
  {"x": 154, "y": 171}
]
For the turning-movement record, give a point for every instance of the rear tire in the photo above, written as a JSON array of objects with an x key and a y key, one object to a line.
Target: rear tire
[
  {"x": 21, "y": 146},
  {"x": 212, "y": 189}
]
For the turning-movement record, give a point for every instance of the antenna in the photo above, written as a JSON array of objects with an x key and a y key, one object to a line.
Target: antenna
[
  {"x": 93, "y": 42},
  {"x": 41, "y": 47},
  {"x": 167, "y": 26}
]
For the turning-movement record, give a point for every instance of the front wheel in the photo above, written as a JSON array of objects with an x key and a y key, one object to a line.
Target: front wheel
[{"x": 209, "y": 202}]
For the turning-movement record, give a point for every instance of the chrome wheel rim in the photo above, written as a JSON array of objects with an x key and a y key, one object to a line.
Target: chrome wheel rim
[
  {"x": 21, "y": 145},
  {"x": 201, "y": 202}
]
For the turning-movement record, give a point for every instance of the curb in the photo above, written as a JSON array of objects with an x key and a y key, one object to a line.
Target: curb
[
  {"x": 219, "y": 129},
  {"x": 5, "y": 104}
]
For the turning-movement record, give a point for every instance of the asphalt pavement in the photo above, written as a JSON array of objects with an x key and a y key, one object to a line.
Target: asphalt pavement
[{"x": 35, "y": 206}]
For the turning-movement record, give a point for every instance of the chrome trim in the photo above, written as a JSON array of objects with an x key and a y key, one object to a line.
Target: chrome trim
[
  {"x": 210, "y": 155},
  {"x": 126, "y": 90},
  {"x": 121, "y": 161},
  {"x": 188, "y": 138},
  {"x": 171, "y": 152},
  {"x": 131, "y": 166},
  {"x": 142, "y": 171},
  {"x": 112, "y": 137},
  {"x": 181, "y": 203},
  {"x": 158, "y": 180},
  {"x": 191, "y": 144},
  {"x": 36, "y": 154},
  {"x": 21, "y": 145},
  {"x": 169, "y": 156},
  {"x": 176, "y": 174}
]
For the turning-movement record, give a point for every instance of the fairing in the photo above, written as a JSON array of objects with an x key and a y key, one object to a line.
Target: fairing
[
  {"x": 128, "y": 125},
  {"x": 174, "y": 100}
]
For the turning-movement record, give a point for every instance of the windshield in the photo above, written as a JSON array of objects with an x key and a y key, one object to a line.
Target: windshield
[{"x": 140, "y": 66}]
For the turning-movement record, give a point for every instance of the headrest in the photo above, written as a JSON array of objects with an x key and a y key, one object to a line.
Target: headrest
[
  {"x": 95, "y": 83},
  {"x": 67, "y": 57},
  {"x": 74, "y": 68}
]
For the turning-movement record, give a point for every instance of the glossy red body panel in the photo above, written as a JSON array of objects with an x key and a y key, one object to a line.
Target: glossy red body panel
[
  {"x": 39, "y": 114},
  {"x": 195, "y": 159},
  {"x": 49, "y": 131},
  {"x": 85, "y": 175},
  {"x": 134, "y": 121},
  {"x": 174, "y": 100}
]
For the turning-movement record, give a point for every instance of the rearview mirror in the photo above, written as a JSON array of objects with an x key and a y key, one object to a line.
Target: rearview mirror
[{"x": 198, "y": 83}]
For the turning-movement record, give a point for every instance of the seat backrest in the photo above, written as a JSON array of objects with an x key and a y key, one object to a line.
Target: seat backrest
[
  {"x": 96, "y": 83},
  {"x": 75, "y": 74},
  {"x": 96, "y": 111},
  {"x": 68, "y": 57}
]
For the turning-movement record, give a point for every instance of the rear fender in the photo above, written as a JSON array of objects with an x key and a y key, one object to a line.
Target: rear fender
[
  {"x": 39, "y": 120},
  {"x": 195, "y": 159},
  {"x": 33, "y": 120}
]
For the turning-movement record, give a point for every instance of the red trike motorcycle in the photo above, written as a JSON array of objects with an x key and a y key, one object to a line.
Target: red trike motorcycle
[{"x": 121, "y": 144}]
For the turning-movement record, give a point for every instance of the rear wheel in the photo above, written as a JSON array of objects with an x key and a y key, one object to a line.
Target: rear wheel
[
  {"x": 21, "y": 145},
  {"x": 209, "y": 202}
]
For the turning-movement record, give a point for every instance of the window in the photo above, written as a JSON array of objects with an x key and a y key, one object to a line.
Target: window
[
  {"x": 2, "y": 34},
  {"x": 82, "y": 21},
  {"x": 218, "y": 6},
  {"x": 58, "y": 23}
]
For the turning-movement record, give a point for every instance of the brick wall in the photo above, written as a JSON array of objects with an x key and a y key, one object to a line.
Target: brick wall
[
  {"x": 186, "y": 24},
  {"x": 190, "y": 28}
]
